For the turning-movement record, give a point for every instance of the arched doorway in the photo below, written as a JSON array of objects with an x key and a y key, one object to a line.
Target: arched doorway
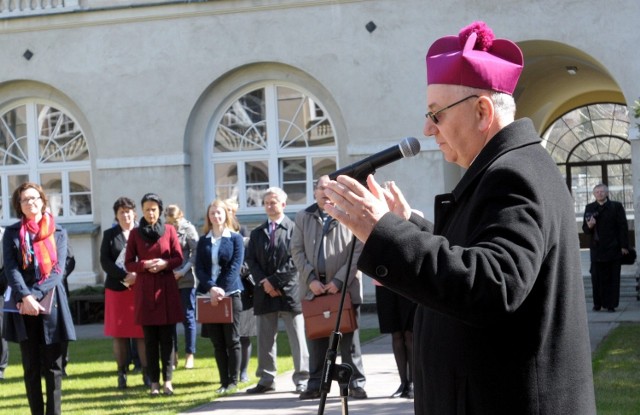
[{"x": 590, "y": 145}]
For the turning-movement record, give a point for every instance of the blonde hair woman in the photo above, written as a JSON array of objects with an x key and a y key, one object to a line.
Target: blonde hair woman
[{"x": 219, "y": 257}]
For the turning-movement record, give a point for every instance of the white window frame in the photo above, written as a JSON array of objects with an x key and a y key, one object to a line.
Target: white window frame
[
  {"x": 33, "y": 167},
  {"x": 273, "y": 154}
]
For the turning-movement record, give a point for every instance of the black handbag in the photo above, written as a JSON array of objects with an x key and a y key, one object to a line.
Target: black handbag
[
  {"x": 630, "y": 258},
  {"x": 247, "y": 294}
]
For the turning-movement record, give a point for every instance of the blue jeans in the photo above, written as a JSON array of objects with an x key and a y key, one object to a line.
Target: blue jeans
[{"x": 188, "y": 296}]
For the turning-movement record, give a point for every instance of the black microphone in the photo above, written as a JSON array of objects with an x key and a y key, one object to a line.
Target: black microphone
[{"x": 408, "y": 147}]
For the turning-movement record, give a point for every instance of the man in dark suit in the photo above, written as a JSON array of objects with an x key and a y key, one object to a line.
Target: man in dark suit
[
  {"x": 276, "y": 294},
  {"x": 501, "y": 326},
  {"x": 606, "y": 223}
]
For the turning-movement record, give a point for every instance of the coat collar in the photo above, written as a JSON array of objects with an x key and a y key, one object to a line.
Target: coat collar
[
  {"x": 284, "y": 223},
  {"x": 518, "y": 134}
]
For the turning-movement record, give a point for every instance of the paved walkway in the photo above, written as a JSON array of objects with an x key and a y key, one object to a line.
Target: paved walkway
[{"x": 382, "y": 381}]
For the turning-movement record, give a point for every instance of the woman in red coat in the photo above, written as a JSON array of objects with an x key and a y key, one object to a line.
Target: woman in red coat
[{"x": 153, "y": 251}]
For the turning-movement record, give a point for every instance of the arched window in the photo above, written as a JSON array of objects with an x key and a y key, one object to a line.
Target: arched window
[
  {"x": 45, "y": 145},
  {"x": 272, "y": 134},
  {"x": 590, "y": 145}
]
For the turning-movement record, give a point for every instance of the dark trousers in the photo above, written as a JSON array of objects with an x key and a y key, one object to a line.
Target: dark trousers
[
  {"x": 226, "y": 345},
  {"x": 159, "y": 344},
  {"x": 4, "y": 347},
  {"x": 350, "y": 353},
  {"x": 40, "y": 359},
  {"x": 188, "y": 297},
  {"x": 605, "y": 281}
]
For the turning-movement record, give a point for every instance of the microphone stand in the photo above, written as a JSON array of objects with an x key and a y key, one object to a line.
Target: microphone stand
[{"x": 330, "y": 371}]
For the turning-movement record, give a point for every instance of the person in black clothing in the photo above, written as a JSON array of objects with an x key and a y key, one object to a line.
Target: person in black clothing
[
  {"x": 500, "y": 326},
  {"x": 34, "y": 254},
  {"x": 606, "y": 223}
]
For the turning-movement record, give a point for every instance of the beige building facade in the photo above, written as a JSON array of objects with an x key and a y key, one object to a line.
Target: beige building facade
[{"x": 198, "y": 100}]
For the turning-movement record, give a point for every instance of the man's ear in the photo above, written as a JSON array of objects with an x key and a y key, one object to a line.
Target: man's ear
[{"x": 485, "y": 113}]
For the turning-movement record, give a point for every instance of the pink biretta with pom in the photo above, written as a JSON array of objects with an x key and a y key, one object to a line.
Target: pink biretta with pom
[{"x": 476, "y": 59}]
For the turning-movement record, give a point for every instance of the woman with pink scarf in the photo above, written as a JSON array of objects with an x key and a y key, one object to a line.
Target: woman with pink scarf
[{"x": 35, "y": 251}]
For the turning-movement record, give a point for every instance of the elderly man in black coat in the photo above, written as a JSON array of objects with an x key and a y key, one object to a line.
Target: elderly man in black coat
[
  {"x": 606, "y": 223},
  {"x": 501, "y": 326}
]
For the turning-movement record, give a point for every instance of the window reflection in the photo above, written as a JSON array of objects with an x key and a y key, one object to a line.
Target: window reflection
[
  {"x": 61, "y": 149},
  {"x": 257, "y": 179},
  {"x": 243, "y": 126},
  {"x": 275, "y": 135}
]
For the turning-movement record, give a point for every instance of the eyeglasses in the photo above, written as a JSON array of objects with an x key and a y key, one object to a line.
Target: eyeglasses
[
  {"x": 433, "y": 116},
  {"x": 29, "y": 200}
]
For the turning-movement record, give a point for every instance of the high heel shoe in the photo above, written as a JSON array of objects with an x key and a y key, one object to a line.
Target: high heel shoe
[
  {"x": 122, "y": 380},
  {"x": 168, "y": 389},
  {"x": 400, "y": 391},
  {"x": 146, "y": 381},
  {"x": 155, "y": 389}
]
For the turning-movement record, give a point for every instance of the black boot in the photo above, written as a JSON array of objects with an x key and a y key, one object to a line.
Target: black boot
[
  {"x": 145, "y": 377},
  {"x": 408, "y": 392},
  {"x": 122, "y": 378}
]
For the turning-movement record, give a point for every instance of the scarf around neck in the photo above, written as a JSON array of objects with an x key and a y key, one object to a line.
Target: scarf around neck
[
  {"x": 151, "y": 233},
  {"x": 37, "y": 242}
]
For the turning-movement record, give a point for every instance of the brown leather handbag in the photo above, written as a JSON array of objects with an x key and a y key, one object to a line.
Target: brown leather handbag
[{"x": 320, "y": 315}]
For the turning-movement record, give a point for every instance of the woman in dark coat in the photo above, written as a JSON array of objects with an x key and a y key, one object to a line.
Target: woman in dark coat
[
  {"x": 153, "y": 252},
  {"x": 219, "y": 256},
  {"x": 35, "y": 251},
  {"x": 119, "y": 307}
]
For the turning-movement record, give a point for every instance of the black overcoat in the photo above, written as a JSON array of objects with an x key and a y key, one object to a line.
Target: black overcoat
[
  {"x": 611, "y": 229},
  {"x": 113, "y": 242},
  {"x": 501, "y": 326}
]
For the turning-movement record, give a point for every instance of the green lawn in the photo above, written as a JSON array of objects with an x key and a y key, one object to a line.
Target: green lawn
[
  {"x": 90, "y": 387},
  {"x": 616, "y": 369}
]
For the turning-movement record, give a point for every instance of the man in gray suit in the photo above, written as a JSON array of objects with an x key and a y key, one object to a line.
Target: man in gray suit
[{"x": 321, "y": 247}]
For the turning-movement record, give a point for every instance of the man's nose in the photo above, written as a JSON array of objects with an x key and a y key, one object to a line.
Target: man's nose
[{"x": 430, "y": 128}]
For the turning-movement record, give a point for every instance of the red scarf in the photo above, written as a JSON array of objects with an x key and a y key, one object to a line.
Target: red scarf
[{"x": 43, "y": 243}]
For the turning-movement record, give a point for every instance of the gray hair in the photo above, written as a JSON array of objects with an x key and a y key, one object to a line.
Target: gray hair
[
  {"x": 278, "y": 192},
  {"x": 504, "y": 104},
  {"x": 606, "y": 188}
]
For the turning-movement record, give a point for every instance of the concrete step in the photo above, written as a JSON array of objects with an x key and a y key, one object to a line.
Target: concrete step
[{"x": 628, "y": 287}]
